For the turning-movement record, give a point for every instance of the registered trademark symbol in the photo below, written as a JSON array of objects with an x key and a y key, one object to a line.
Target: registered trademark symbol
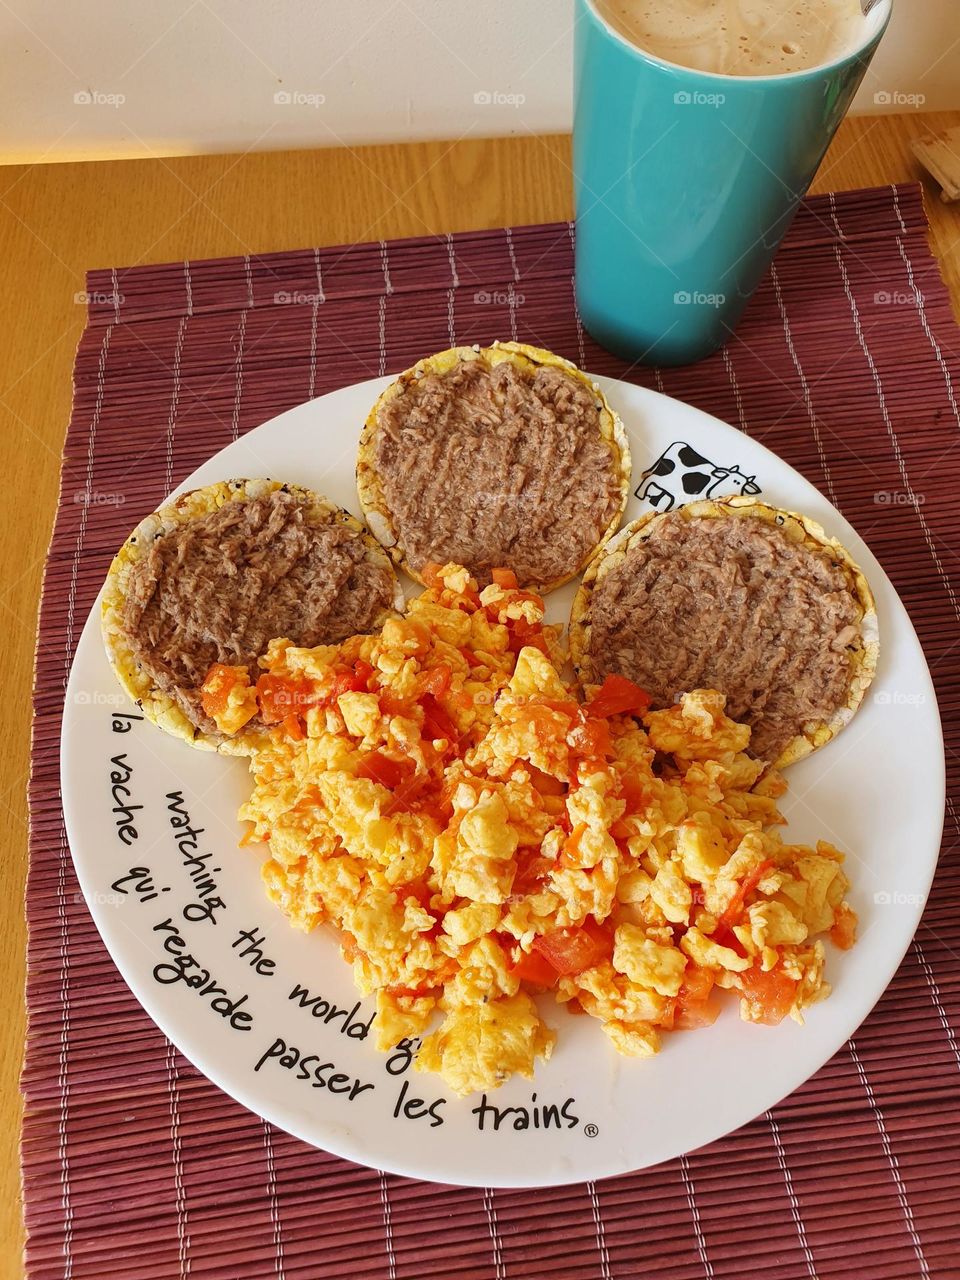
[{"x": 590, "y": 1130}]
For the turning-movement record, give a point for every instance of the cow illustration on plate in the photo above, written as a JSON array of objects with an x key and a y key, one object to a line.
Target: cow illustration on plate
[{"x": 681, "y": 473}]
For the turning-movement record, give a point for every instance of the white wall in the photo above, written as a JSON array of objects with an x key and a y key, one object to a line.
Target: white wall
[{"x": 135, "y": 77}]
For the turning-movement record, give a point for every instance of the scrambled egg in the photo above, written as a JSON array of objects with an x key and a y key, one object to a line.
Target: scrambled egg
[{"x": 477, "y": 835}]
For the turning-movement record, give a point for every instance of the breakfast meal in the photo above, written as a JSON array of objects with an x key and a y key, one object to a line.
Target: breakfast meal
[
  {"x": 217, "y": 574},
  {"x": 741, "y": 597},
  {"x": 475, "y": 834},
  {"x": 479, "y": 830},
  {"x": 503, "y": 457}
]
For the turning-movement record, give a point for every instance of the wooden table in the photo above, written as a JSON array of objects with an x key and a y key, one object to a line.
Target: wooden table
[{"x": 58, "y": 220}]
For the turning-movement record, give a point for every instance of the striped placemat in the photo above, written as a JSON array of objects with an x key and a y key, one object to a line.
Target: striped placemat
[{"x": 134, "y": 1166}]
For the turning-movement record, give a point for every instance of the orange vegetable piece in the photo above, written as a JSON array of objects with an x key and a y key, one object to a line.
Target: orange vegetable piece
[
  {"x": 293, "y": 728},
  {"x": 844, "y": 931},
  {"x": 381, "y": 768},
  {"x": 523, "y": 634},
  {"x": 391, "y": 704},
  {"x": 591, "y": 739},
  {"x": 735, "y": 908},
  {"x": 570, "y": 851},
  {"x": 410, "y": 993},
  {"x": 694, "y": 1006},
  {"x": 279, "y": 698},
  {"x": 617, "y": 696},
  {"x": 348, "y": 943},
  {"x": 532, "y": 872},
  {"x": 535, "y": 968},
  {"x": 220, "y": 680},
  {"x": 436, "y": 722},
  {"x": 769, "y": 995},
  {"x": 572, "y": 950},
  {"x": 436, "y": 681},
  {"x": 634, "y": 792}
]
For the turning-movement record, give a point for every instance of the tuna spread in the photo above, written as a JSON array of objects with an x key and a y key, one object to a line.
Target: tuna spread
[
  {"x": 220, "y": 587},
  {"x": 730, "y": 604},
  {"x": 498, "y": 467}
]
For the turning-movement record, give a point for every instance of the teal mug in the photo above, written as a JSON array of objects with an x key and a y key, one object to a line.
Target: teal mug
[{"x": 685, "y": 183}]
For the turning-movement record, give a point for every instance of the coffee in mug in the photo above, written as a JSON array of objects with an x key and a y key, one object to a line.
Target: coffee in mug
[{"x": 740, "y": 37}]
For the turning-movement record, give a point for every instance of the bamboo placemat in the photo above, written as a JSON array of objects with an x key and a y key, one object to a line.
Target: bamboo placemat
[{"x": 134, "y": 1165}]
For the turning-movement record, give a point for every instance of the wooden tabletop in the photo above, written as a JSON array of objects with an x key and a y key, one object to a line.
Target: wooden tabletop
[{"x": 58, "y": 220}]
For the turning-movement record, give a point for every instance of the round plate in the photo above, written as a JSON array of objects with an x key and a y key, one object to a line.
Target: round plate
[{"x": 271, "y": 1016}]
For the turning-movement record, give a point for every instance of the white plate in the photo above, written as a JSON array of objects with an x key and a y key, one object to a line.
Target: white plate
[{"x": 877, "y": 792}]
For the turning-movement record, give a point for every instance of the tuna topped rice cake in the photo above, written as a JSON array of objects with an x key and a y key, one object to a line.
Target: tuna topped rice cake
[
  {"x": 506, "y": 456},
  {"x": 741, "y": 597},
  {"x": 201, "y": 587}
]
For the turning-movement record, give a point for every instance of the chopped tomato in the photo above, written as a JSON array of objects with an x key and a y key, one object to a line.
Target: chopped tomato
[
  {"x": 572, "y": 950},
  {"x": 505, "y": 578},
  {"x": 532, "y": 872},
  {"x": 381, "y": 768},
  {"x": 348, "y": 944},
  {"x": 422, "y": 791},
  {"x": 430, "y": 573},
  {"x": 219, "y": 683},
  {"x": 570, "y": 852},
  {"x": 735, "y": 907},
  {"x": 436, "y": 722},
  {"x": 472, "y": 659},
  {"x": 634, "y": 792},
  {"x": 536, "y": 968},
  {"x": 406, "y": 793},
  {"x": 724, "y": 936},
  {"x": 844, "y": 931},
  {"x": 565, "y": 706},
  {"x": 293, "y": 728},
  {"x": 525, "y": 634},
  {"x": 617, "y": 696},
  {"x": 694, "y": 1006},
  {"x": 591, "y": 739},
  {"x": 543, "y": 720},
  {"x": 533, "y": 597},
  {"x": 363, "y": 671},
  {"x": 436, "y": 680},
  {"x": 391, "y": 704},
  {"x": 355, "y": 679},
  {"x": 769, "y": 995},
  {"x": 279, "y": 698}
]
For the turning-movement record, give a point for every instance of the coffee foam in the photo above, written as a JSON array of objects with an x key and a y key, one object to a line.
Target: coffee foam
[{"x": 740, "y": 37}]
